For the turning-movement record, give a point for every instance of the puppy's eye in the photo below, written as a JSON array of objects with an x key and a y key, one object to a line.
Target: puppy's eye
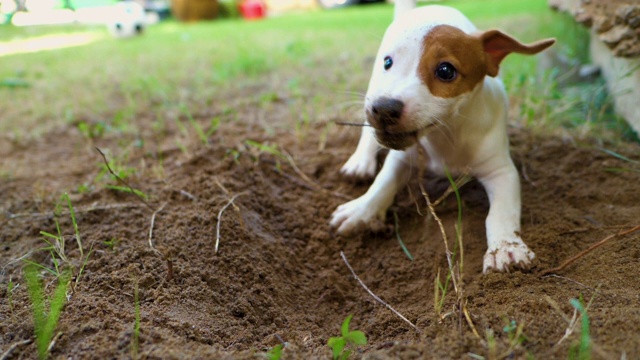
[
  {"x": 388, "y": 62},
  {"x": 446, "y": 72}
]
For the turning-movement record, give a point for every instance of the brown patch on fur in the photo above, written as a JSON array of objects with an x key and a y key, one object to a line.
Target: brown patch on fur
[
  {"x": 446, "y": 43},
  {"x": 473, "y": 56}
]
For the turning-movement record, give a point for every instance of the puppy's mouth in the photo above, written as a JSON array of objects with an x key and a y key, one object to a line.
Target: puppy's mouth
[{"x": 400, "y": 140}]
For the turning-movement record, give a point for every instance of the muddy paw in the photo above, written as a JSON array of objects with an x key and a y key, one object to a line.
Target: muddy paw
[
  {"x": 357, "y": 216},
  {"x": 508, "y": 256}
]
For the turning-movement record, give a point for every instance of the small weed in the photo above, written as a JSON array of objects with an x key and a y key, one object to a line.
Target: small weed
[
  {"x": 275, "y": 353},
  {"x": 92, "y": 131},
  {"x": 338, "y": 344},
  {"x": 128, "y": 190},
  {"x": 57, "y": 246},
  {"x": 634, "y": 165},
  {"x": 112, "y": 244},
  {"x": 269, "y": 149},
  {"x": 45, "y": 322},
  {"x": 202, "y": 135},
  {"x": 440, "y": 292},
  {"x": 516, "y": 336},
  {"x": 581, "y": 350},
  {"x": 234, "y": 154}
]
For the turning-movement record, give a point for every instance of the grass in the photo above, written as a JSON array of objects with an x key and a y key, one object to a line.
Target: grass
[
  {"x": 581, "y": 350},
  {"x": 142, "y": 84},
  {"x": 397, "y": 230},
  {"x": 275, "y": 353},
  {"x": 44, "y": 321},
  {"x": 56, "y": 245}
]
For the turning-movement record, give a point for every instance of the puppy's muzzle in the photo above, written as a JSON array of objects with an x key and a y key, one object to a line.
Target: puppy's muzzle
[
  {"x": 385, "y": 112},
  {"x": 385, "y": 115}
]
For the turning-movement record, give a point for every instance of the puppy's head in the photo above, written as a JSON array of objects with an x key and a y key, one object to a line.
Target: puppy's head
[{"x": 423, "y": 74}]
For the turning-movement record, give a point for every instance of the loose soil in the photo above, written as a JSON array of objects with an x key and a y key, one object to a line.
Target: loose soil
[{"x": 278, "y": 275}]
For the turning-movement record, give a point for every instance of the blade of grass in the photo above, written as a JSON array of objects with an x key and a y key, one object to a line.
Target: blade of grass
[
  {"x": 75, "y": 223},
  {"x": 45, "y": 324},
  {"x": 404, "y": 248},
  {"x": 619, "y": 156}
]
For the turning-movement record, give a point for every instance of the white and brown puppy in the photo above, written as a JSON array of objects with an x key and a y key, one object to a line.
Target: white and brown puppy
[{"x": 434, "y": 86}]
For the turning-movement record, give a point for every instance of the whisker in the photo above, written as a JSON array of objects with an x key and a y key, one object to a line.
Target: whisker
[
  {"x": 350, "y": 124},
  {"x": 353, "y": 93}
]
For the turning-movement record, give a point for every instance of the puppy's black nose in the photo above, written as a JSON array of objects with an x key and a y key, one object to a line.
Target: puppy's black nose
[{"x": 387, "y": 111}]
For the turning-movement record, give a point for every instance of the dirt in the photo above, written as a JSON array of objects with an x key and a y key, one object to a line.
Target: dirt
[{"x": 278, "y": 275}]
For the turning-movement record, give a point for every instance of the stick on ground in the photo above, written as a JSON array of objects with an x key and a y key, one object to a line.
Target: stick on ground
[
  {"x": 344, "y": 258},
  {"x": 229, "y": 203},
  {"x": 153, "y": 220},
  {"x": 588, "y": 250},
  {"x": 7, "y": 353}
]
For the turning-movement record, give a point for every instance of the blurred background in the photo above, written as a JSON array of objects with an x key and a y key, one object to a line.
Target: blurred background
[{"x": 591, "y": 72}]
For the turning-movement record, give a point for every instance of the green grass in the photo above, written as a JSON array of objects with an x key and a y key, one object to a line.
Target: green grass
[
  {"x": 152, "y": 68},
  {"x": 45, "y": 322},
  {"x": 103, "y": 88},
  {"x": 63, "y": 265},
  {"x": 581, "y": 350}
]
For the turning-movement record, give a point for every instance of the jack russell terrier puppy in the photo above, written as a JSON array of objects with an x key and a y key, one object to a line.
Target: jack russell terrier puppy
[{"x": 434, "y": 86}]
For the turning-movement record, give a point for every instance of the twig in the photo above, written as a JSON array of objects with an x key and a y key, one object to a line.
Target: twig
[
  {"x": 444, "y": 237},
  {"x": 469, "y": 321},
  {"x": 188, "y": 195},
  {"x": 53, "y": 342},
  {"x": 588, "y": 250},
  {"x": 153, "y": 220},
  {"x": 106, "y": 162},
  {"x": 14, "y": 346},
  {"x": 570, "y": 322},
  {"x": 344, "y": 258},
  {"x": 566, "y": 278},
  {"x": 229, "y": 203}
]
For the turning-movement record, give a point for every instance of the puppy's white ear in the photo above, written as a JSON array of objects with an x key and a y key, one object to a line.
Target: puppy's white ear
[
  {"x": 402, "y": 6},
  {"x": 497, "y": 45}
]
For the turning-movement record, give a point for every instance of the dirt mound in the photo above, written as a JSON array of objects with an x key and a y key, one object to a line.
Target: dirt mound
[{"x": 278, "y": 274}]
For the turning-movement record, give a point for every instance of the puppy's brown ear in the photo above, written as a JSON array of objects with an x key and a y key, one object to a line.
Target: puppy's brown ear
[{"x": 497, "y": 45}]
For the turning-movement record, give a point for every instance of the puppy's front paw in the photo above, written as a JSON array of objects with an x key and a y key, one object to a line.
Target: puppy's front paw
[
  {"x": 507, "y": 255},
  {"x": 360, "y": 166},
  {"x": 356, "y": 216}
]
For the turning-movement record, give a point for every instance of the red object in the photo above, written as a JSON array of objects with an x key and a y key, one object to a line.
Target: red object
[{"x": 253, "y": 9}]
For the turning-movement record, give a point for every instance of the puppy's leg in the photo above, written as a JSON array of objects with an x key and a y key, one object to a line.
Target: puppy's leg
[
  {"x": 362, "y": 163},
  {"x": 505, "y": 247},
  {"x": 368, "y": 211}
]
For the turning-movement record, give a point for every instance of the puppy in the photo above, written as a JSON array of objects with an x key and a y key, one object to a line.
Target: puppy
[{"x": 434, "y": 87}]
